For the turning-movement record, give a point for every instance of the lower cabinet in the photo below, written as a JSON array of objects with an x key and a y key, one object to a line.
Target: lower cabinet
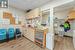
[
  {"x": 30, "y": 34},
  {"x": 40, "y": 37}
]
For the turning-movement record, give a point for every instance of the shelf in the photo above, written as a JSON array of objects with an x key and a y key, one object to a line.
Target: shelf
[{"x": 40, "y": 37}]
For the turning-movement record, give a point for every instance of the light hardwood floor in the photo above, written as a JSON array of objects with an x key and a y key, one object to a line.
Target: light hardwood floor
[
  {"x": 24, "y": 44},
  {"x": 20, "y": 44},
  {"x": 63, "y": 43}
]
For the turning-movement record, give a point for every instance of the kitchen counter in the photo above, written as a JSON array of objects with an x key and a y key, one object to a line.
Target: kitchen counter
[{"x": 39, "y": 28}]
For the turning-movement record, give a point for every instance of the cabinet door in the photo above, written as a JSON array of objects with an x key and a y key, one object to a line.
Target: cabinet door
[
  {"x": 36, "y": 12},
  {"x": 27, "y": 34},
  {"x": 30, "y": 34},
  {"x": 29, "y": 15},
  {"x": 71, "y": 14},
  {"x": 32, "y": 14}
]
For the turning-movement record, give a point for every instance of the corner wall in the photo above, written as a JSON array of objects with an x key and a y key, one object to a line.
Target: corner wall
[
  {"x": 63, "y": 15},
  {"x": 50, "y": 6},
  {"x": 17, "y": 14}
]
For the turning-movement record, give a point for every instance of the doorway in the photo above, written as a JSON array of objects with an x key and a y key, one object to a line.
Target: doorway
[{"x": 64, "y": 39}]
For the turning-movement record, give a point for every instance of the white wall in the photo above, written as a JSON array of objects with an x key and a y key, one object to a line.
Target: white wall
[
  {"x": 63, "y": 15},
  {"x": 16, "y": 12},
  {"x": 51, "y": 6}
]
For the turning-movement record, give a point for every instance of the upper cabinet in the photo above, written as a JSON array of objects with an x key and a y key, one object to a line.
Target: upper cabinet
[
  {"x": 71, "y": 14},
  {"x": 7, "y": 15},
  {"x": 33, "y": 13}
]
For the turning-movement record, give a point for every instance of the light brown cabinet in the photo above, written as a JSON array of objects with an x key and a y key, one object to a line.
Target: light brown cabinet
[
  {"x": 33, "y": 13},
  {"x": 40, "y": 37},
  {"x": 29, "y": 33},
  {"x": 71, "y": 14},
  {"x": 7, "y": 15}
]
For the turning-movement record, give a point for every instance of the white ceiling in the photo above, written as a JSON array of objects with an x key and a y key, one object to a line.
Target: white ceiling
[
  {"x": 27, "y": 4},
  {"x": 65, "y": 7}
]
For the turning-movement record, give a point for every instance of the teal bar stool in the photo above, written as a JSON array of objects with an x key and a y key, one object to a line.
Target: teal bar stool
[
  {"x": 18, "y": 33},
  {"x": 3, "y": 35},
  {"x": 11, "y": 33}
]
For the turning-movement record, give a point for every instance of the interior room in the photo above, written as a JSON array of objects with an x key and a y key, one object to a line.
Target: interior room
[
  {"x": 37, "y": 25},
  {"x": 64, "y": 38}
]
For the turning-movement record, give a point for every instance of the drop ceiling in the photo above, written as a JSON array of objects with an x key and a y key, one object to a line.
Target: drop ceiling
[{"x": 27, "y": 4}]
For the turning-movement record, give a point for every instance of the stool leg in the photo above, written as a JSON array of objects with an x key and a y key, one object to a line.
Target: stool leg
[{"x": 7, "y": 37}]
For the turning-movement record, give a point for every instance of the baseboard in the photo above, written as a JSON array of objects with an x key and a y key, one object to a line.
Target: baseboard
[
  {"x": 68, "y": 36},
  {"x": 56, "y": 34},
  {"x": 2, "y": 41}
]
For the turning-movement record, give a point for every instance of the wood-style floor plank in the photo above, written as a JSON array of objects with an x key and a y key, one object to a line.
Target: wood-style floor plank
[
  {"x": 20, "y": 44},
  {"x": 64, "y": 43}
]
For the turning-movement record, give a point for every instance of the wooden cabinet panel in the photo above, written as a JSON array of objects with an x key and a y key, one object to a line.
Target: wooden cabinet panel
[
  {"x": 30, "y": 34},
  {"x": 71, "y": 14},
  {"x": 9, "y": 16},
  {"x": 32, "y": 14},
  {"x": 40, "y": 37}
]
